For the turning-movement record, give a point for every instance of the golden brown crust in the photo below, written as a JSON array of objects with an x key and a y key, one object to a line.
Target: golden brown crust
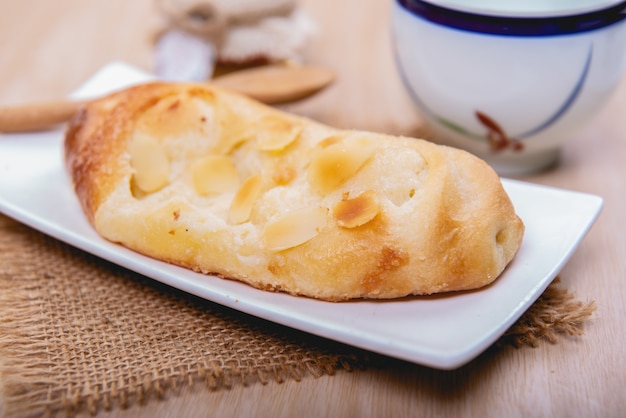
[{"x": 328, "y": 214}]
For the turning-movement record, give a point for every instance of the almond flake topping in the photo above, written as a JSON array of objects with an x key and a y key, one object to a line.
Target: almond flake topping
[
  {"x": 338, "y": 162},
  {"x": 214, "y": 174},
  {"x": 244, "y": 200},
  {"x": 350, "y": 213},
  {"x": 232, "y": 131},
  {"x": 276, "y": 133},
  {"x": 295, "y": 228},
  {"x": 150, "y": 163}
]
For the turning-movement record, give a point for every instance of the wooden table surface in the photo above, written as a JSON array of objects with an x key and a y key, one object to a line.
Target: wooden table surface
[{"x": 48, "y": 48}]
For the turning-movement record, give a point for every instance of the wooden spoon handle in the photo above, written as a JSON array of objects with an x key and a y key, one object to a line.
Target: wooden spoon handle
[
  {"x": 37, "y": 116},
  {"x": 271, "y": 85},
  {"x": 276, "y": 84}
]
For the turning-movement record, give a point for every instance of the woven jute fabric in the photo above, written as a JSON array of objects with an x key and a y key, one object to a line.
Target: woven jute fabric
[{"x": 78, "y": 334}]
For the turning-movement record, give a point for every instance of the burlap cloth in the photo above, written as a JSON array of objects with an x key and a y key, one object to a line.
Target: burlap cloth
[{"x": 78, "y": 334}]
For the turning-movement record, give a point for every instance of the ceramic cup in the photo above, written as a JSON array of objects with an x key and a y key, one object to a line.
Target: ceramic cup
[{"x": 510, "y": 81}]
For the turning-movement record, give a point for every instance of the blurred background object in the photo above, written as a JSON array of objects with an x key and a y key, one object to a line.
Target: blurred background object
[{"x": 200, "y": 34}]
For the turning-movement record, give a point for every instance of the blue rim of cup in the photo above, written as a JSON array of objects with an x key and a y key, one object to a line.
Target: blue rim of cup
[{"x": 514, "y": 25}]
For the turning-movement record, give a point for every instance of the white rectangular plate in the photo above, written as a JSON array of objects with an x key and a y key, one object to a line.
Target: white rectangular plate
[{"x": 442, "y": 332}]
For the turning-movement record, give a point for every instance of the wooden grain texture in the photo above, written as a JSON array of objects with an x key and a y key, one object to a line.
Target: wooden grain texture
[{"x": 50, "y": 48}]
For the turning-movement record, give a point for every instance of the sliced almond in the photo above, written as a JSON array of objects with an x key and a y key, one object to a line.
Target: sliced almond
[
  {"x": 175, "y": 115},
  {"x": 350, "y": 213},
  {"x": 232, "y": 131},
  {"x": 214, "y": 174},
  {"x": 323, "y": 144},
  {"x": 338, "y": 162},
  {"x": 295, "y": 228},
  {"x": 244, "y": 200},
  {"x": 150, "y": 163},
  {"x": 328, "y": 141},
  {"x": 284, "y": 174},
  {"x": 275, "y": 133}
]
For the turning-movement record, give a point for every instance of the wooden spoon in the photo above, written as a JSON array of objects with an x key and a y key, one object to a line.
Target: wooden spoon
[{"x": 272, "y": 84}]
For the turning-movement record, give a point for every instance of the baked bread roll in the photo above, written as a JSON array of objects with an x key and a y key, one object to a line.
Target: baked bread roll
[{"x": 215, "y": 182}]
